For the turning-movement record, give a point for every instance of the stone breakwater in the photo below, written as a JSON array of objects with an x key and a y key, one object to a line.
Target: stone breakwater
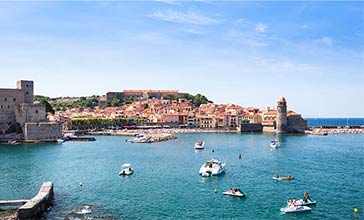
[
  {"x": 326, "y": 131},
  {"x": 152, "y": 138}
]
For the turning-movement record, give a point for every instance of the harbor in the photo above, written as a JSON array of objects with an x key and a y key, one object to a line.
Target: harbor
[{"x": 168, "y": 174}]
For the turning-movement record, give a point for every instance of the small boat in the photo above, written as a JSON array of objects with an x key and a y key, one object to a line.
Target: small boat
[
  {"x": 82, "y": 210},
  {"x": 283, "y": 177},
  {"x": 199, "y": 145},
  {"x": 274, "y": 144},
  {"x": 303, "y": 203},
  {"x": 295, "y": 209},
  {"x": 212, "y": 168},
  {"x": 139, "y": 138},
  {"x": 234, "y": 192},
  {"x": 126, "y": 170},
  {"x": 60, "y": 140}
]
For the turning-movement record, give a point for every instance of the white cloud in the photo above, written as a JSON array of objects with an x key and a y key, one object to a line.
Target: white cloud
[
  {"x": 166, "y": 1},
  {"x": 261, "y": 28},
  {"x": 188, "y": 17},
  {"x": 325, "y": 40}
]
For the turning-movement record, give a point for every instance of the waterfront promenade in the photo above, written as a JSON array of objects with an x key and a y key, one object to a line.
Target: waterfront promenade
[
  {"x": 310, "y": 131},
  {"x": 132, "y": 132}
]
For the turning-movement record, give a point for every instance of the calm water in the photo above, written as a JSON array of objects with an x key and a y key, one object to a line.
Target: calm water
[
  {"x": 166, "y": 184},
  {"x": 335, "y": 121}
]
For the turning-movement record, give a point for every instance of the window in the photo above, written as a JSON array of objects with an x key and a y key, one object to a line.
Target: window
[
  {"x": 6, "y": 99},
  {"x": 27, "y": 93},
  {"x": 8, "y": 106},
  {"x": 26, "y": 85},
  {"x": 36, "y": 111},
  {"x": 14, "y": 99}
]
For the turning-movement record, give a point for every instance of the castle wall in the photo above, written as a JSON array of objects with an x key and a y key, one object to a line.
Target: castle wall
[
  {"x": 42, "y": 131},
  {"x": 296, "y": 122},
  {"x": 7, "y": 120},
  {"x": 9, "y": 98},
  {"x": 30, "y": 113}
]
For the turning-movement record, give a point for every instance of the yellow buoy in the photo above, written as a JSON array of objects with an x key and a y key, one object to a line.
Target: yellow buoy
[
  {"x": 356, "y": 210},
  {"x": 215, "y": 191}
]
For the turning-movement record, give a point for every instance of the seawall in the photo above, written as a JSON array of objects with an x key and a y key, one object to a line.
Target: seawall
[{"x": 38, "y": 204}]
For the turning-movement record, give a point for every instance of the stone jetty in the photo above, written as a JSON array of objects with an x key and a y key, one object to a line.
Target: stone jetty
[
  {"x": 152, "y": 138},
  {"x": 335, "y": 130},
  {"x": 33, "y": 208}
]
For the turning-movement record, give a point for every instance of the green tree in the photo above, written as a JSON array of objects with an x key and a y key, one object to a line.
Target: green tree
[
  {"x": 48, "y": 106},
  {"x": 245, "y": 121},
  {"x": 199, "y": 100}
]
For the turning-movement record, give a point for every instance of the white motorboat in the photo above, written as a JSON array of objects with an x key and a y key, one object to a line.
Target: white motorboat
[
  {"x": 234, "y": 192},
  {"x": 212, "y": 168},
  {"x": 199, "y": 145},
  {"x": 274, "y": 144},
  {"x": 60, "y": 140},
  {"x": 139, "y": 138},
  {"x": 82, "y": 210},
  {"x": 303, "y": 203},
  {"x": 295, "y": 209},
  {"x": 126, "y": 170}
]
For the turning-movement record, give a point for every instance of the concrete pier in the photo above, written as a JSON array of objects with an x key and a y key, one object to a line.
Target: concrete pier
[
  {"x": 38, "y": 204},
  {"x": 13, "y": 202}
]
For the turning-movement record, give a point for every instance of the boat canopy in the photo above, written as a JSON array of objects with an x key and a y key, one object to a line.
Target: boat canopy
[{"x": 126, "y": 165}]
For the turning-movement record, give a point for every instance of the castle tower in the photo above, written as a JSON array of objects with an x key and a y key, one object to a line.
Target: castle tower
[
  {"x": 28, "y": 89},
  {"x": 281, "y": 121}
]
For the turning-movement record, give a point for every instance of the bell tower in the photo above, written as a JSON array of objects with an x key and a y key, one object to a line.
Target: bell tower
[{"x": 281, "y": 121}]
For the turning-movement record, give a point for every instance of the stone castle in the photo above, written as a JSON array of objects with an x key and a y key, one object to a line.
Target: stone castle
[
  {"x": 21, "y": 119},
  {"x": 288, "y": 122}
]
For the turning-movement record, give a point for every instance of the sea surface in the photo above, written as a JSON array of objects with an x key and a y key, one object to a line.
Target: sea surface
[
  {"x": 166, "y": 183},
  {"x": 335, "y": 121}
]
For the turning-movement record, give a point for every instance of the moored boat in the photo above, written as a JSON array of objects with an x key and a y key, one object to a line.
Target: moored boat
[
  {"x": 82, "y": 210},
  {"x": 127, "y": 170},
  {"x": 212, "y": 168},
  {"x": 139, "y": 138},
  {"x": 301, "y": 202},
  {"x": 289, "y": 177},
  {"x": 200, "y": 144},
  {"x": 234, "y": 192},
  {"x": 274, "y": 144},
  {"x": 295, "y": 209}
]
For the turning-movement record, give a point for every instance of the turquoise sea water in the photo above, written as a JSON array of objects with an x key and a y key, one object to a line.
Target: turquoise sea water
[
  {"x": 335, "y": 121},
  {"x": 166, "y": 184}
]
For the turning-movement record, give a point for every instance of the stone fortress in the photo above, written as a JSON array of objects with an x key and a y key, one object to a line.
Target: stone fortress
[
  {"x": 285, "y": 121},
  {"x": 21, "y": 119}
]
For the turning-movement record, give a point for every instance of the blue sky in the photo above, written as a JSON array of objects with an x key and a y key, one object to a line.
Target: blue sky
[{"x": 247, "y": 53}]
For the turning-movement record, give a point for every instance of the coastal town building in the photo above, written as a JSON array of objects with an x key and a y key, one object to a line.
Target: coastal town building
[
  {"x": 21, "y": 119},
  {"x": 181, "y": 113}
]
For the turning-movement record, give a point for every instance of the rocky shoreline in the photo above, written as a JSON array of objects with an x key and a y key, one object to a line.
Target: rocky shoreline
[
  {"x": 8, "y": 215},
  {"x": 152, "y": 138}
]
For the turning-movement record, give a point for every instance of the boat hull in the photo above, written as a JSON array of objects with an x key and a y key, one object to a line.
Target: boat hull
[
  {"x": 236, "y": 194},
  {"x": 296, "y": 209},
  {"x": 308, "y": 203}
]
